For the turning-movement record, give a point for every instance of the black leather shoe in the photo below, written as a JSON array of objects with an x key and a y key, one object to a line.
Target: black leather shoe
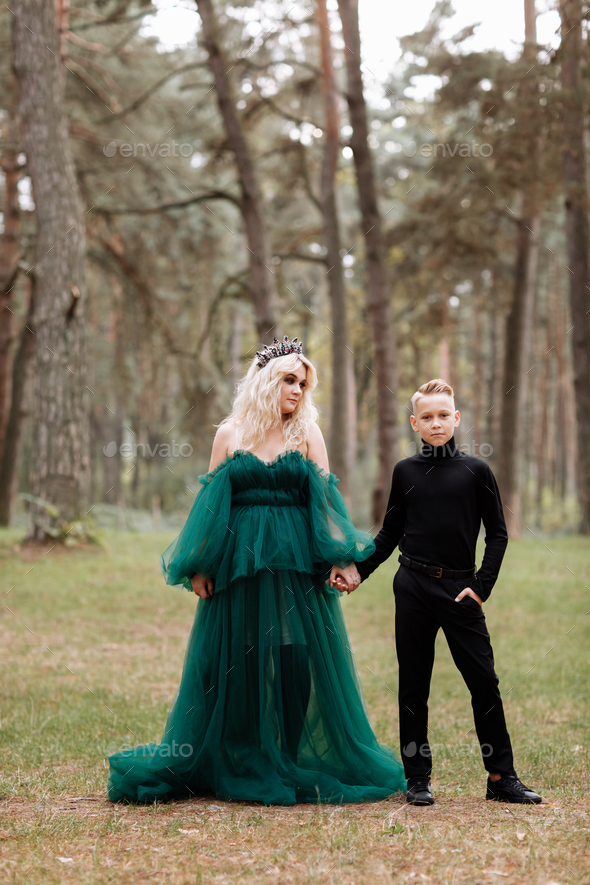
[
  {"x": 419, "y": 792},
  {"x": 510, "y": 789}
]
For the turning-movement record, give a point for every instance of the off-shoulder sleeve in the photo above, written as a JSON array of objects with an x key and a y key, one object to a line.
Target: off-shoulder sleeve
[
  {"x": 334, "y": 539},
  {"x": 198, "y": 549}
]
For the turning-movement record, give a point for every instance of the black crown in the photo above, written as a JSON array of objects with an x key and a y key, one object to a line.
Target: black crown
[{"x": 279, "y": 348}]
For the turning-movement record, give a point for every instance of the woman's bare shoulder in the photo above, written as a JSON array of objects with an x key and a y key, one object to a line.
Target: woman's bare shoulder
[
  {"x": 222, "y": 444},
  {"x": 226, "y": 431},
  {"x": 315, "y": 435},
  {"x": 316, "y": 447}
]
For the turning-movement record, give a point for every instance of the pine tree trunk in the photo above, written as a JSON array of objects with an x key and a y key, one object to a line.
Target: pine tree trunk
[
  {"x": 474, "y": 437},
  {"x": 576, "y": 202},
  {"x": 21, "y": 369},
  {"x": 261, "y": 277},
  {"x": 60, "y": 455},
  {"x": 236, "y": 347},
  {"x": 516, "y": 366},
  {"x": 9, "y": 252},
  {"x": 352, "y": 429},
  {"x": 541, "y": 398},
  {"x": 495, "y": 411},
  {"x": 519, "y": 322},
  {"x": 110, "y": 427},
  {"x": 561, "y": 434},
  {"x": 378, "y": 295},
  {"x": 550, "y": 357},
  {"x": 444, "y": 344},
  {"x": 339, "y": 447}
]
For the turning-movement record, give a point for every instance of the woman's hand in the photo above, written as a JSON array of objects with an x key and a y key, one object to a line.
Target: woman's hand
[
  {"x": 202, "y": 585},
  {"x": 344, "y": 578}
]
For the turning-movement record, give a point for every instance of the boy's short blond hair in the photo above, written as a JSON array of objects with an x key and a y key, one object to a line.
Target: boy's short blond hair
[{"x": 437, "y": 385}]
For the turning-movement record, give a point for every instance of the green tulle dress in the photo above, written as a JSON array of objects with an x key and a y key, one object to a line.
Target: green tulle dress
[{"x": 269, "y": 707}]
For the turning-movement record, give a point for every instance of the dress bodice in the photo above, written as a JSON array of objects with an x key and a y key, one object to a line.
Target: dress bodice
[
  {"x": 282, "y": 482},
  {"x": 285, "y": 514}
]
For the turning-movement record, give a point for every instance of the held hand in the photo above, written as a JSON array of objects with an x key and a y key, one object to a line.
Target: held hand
[
  {"x": 202, "y": 585},
  {"x": 342, "y": 586},
  {"x": 469, "y": 592},
  {"x": 344, "y": 579}
]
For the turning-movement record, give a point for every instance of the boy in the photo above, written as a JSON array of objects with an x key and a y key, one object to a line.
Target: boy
[{"x": 438, "y": 499}]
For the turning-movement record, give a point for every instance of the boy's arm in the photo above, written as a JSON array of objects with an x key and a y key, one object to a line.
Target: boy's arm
[
  {"x": 496, "y": 534},
  {"x": 392, "y": 530}
]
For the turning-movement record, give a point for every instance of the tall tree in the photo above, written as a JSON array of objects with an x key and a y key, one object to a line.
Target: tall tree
[
  {"x": 339, "y": 447},
  {"x": 9, "y": 248},
  {"x": 251, "y": 204},
  {"x": 60, "y": 455},
  {"x": 378, "y": 294},
  {"x": 519, "y": 321},
  {"x": 21, "y": 370},
  {"x": 576, "y": 203}
]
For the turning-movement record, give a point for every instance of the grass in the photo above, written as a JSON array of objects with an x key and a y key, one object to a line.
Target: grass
[{"x": 92, "y": 644}]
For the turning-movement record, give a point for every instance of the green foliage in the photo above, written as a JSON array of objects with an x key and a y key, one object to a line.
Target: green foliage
[
  {"x": 65, "y": 531},
  {"x": 171, "y": 322}
]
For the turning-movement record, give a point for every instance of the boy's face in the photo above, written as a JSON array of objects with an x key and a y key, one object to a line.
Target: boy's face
[{"x": 435, "y": 418}]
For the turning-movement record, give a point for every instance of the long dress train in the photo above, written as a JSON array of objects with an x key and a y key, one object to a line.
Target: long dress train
[{"x": 269, "y": 707}]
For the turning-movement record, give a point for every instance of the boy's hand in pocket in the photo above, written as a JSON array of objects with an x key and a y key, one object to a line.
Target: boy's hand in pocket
[{"x": 467, "y": 591}]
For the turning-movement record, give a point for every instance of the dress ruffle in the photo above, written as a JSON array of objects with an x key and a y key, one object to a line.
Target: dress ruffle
[{"x": 252, "y": 515}]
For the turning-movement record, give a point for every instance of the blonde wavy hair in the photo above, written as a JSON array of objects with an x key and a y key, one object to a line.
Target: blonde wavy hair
[{"x": 257, "y": 405}]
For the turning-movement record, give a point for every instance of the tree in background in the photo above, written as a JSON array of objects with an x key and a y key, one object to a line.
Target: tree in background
[
  {"x": 59, "y": 417},
  {"x": 262, "y": 289},
  {"x": 339, "y": 407},
  {"x": 576, "y": 201},
  {"x": 10, "y": 252},
  {"x": 378, "y": 291},
  {"x": 483, "y": 218},
  {"x": 519, "y": 321},
  {"x": 170, "y": 318}
]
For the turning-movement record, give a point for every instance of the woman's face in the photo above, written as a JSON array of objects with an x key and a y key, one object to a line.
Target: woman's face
[{"x": 292, "y": 389}]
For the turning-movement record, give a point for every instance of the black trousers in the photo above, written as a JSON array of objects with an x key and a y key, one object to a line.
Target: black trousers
[{"x": 422, "y": 605}]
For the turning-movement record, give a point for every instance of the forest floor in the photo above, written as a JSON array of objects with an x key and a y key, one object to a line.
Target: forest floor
[{"x": 91, "y": 649}]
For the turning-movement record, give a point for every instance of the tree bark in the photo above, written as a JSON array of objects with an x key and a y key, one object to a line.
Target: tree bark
[
  {"x": 110, "y": 428},
  {"x": 236, "y": 347},
  {"x": 494, "y": 413},
  {"x": 576, "y": 203},
  {"x": 519, "y": 323},
  {"x": 541, "y": 413},
  {"x": 378, "y": 297},
  {"x": 559, "y": 323},
  {"x": 9, "y": 252},
  {"x": 339, "y": 446},
  {"x": 251, "y": 205},
  {"x": 60, "y": 454},
  {"x": 20, "y": 373},
  {"x": 352, "y": 429},
  {"x": 474, "y": 437},
  {"x": 444, "y": 344},
  {"x": 516, "y": 366}
]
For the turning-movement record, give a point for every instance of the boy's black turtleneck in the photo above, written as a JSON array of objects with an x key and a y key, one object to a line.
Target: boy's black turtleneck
[
  {"x": 437, "y": 453},
  {"x": 438, "y": 500}
]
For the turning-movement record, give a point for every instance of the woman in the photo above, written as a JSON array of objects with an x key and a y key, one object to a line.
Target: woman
[{"x": 269, "y": 706}]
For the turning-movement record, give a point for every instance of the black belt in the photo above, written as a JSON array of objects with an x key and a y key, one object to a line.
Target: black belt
[{"x": 434, "y": 570}]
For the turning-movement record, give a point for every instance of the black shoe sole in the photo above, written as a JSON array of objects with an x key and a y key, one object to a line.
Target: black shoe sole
[
  {"x": 421, "y": 802},
  {"x": 514, "y": 800}
]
